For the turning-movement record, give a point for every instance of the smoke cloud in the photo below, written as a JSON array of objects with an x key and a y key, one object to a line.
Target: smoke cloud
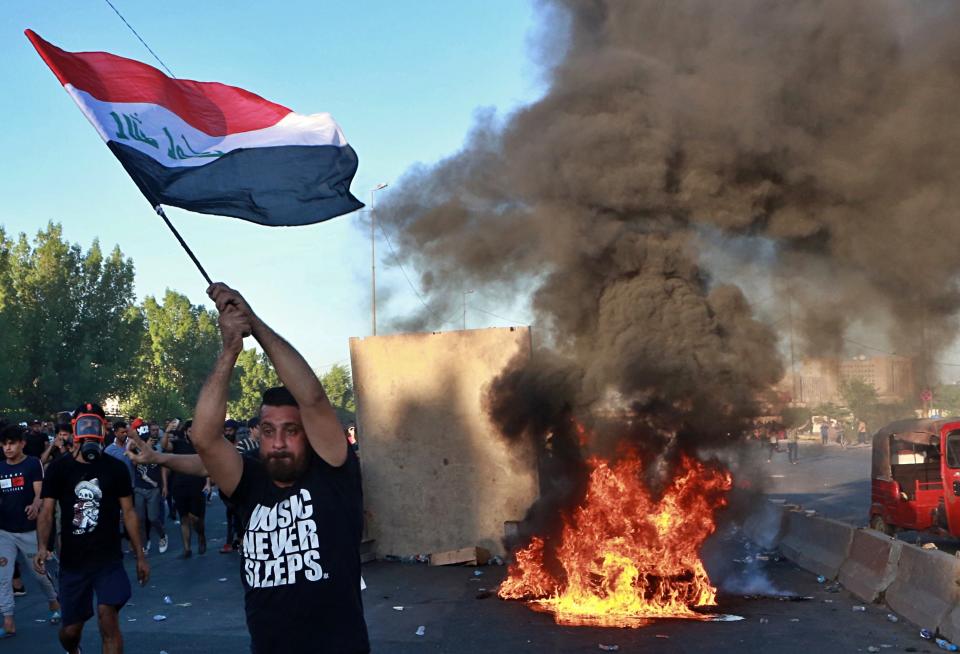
[{"x": 823, "y": 132}]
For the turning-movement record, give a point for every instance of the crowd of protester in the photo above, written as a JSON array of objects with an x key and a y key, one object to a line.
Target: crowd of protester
[{"x": 161, "y": 498}]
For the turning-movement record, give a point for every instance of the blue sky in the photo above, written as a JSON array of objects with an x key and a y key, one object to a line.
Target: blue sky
[{"x": 403, "y": 80}]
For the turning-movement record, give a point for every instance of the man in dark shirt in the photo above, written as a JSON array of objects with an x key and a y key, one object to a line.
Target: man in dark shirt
[
  {"x": 301, "y": 500},
  {"x": 20, "y": 479},
  {"x": 149, "y": 489},
  {"x": 187, "y": 492},
  {"x": 92, "y": 489},
  {"x": 36, "y": 439},
  {"x": 61, "y": 444}
]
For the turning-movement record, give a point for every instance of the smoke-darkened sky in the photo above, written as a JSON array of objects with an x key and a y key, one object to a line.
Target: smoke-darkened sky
[{"x": 815, "y": 139}]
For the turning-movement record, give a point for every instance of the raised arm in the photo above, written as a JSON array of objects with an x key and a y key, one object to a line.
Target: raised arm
[
  {"x": 48, "y": 453},
  {"x": 320, "y": 422},
  {"x": 187, "y": 464},
  {"x": 219, "y": 456}
]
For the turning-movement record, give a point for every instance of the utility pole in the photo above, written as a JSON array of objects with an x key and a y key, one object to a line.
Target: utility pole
[
  {"x": 373, "y": 261},
  {"x": 793, "y": 361}
]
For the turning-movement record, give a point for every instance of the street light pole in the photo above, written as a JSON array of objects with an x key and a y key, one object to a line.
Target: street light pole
[
  {"x": 465, "y": 294},
  {"x": 373, "y": 260}
]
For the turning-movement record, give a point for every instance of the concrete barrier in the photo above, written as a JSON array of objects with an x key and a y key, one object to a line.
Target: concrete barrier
[
  {"x": 925, "y": 589},
  {"x": 819, "y": 545},
  {"x": 765, "y": 525},
  {"x": 871, "y": 565}
]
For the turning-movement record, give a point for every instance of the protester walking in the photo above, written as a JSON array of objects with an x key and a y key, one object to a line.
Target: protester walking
[
  {"x": 149, "y": 492},
  {"x": 188, "y": 494},
  {"x": 94, "y": 492},
  {"x": 793, "y": 445},
  {"x": 21, "y": 479}
]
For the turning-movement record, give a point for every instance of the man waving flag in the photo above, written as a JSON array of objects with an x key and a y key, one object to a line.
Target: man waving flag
[{"x": 209, "y": 147}]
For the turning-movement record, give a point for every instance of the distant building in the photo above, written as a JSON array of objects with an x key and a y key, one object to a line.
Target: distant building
[{"x": 819, "y": 379}]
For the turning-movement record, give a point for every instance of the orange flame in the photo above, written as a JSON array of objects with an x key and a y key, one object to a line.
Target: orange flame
[{"x": 625, "y": 557}]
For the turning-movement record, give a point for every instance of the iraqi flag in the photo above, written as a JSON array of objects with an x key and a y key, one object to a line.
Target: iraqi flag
[{"x": 209, "y": 147}]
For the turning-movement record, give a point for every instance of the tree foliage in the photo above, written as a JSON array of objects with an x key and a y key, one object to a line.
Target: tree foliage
[
  {"x": 254, "y": 374},
  {"x": 181, "y": 343},
  {"x": 859, "y": 396},
  {"x": 946, "y": 398},
  {"x": 338, "y": 383},
  {"x": 68, "y": 329},
  {"x": 71, "y": 331}
]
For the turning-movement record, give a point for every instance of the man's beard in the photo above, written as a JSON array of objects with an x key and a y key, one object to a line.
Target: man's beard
[{"x": 285, "y": 468}]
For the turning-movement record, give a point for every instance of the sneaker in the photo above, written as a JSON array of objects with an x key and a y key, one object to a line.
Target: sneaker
[
  {"x": 163, "y": 545},
  {"x": 146, "y": 548},
  {"x": 226, "y": 549},
  {"x": 55, "y": 617}
]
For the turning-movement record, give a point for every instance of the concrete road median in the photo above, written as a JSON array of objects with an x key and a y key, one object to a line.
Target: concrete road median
[
  {"x": 819, "y": 545},
  {"x": 925, "y": 589},
  {"x": 871, "y": 565}
]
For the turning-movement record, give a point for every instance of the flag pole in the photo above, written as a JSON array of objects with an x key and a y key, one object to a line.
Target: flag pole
[{"x": 183, "y": 244}]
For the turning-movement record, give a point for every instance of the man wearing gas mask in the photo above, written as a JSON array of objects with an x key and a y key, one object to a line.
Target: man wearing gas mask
[{"x": 93, "y": 491}]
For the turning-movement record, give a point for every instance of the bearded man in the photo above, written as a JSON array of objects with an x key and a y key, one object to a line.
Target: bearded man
[{"x": 300, "y": 502}]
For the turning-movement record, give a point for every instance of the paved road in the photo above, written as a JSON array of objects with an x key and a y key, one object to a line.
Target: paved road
[
  {"x": 832, "y": 480},
  {"x": 444, "y": 601}
]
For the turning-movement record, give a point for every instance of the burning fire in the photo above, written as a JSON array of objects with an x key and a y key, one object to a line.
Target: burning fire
[{"x": 626, "y": 558}]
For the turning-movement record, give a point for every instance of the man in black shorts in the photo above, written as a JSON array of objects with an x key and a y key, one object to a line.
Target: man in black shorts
[
  {"x": 187, "y": 492},
  {"x": 92, "y": 489},
  {"x": 301, "y": 501}
]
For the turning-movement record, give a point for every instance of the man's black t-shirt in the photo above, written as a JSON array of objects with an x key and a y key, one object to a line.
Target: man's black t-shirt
[
  {"x": 36, "y": 443},
  {"x": 301, "y": 561},
  {"x": 89, "y": 497},
  {"x": 181, "y": 484}
]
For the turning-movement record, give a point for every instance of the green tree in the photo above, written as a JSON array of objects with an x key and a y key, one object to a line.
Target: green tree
[
  {"x": 946, "y": 398},
  {"x": 338, "y": 383},
  {"x": 795, "y": 417},
  {"x": 68, "y": 329},
  {"x": 254, "y": 374},
  {"x": 182, "y": 341},
  {"x": 860, "y": 397}
]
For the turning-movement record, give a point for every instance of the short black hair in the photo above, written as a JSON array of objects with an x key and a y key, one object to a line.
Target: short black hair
[
  {"x": 119, "y": 424},
  {"x": 253, "y": 422},
  {"x": 11, "y": 433},
  {"x": 64, "y": 426},
  {"x": 278, "y": 396}
]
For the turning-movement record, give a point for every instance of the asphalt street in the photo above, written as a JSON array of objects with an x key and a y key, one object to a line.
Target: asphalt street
[
  {"x": 206, "y": 613},
  {"x": 832, "y": 480}
]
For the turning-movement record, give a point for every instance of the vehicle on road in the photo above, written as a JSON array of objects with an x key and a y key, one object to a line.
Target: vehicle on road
[{"x": 916, "y": 477}]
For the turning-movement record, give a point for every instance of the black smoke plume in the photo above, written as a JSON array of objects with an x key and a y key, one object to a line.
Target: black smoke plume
[{"x": 823, "y": 131}]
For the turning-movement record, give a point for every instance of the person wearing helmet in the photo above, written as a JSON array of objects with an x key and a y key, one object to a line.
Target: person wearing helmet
[{"x": 93, "y": 491}]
